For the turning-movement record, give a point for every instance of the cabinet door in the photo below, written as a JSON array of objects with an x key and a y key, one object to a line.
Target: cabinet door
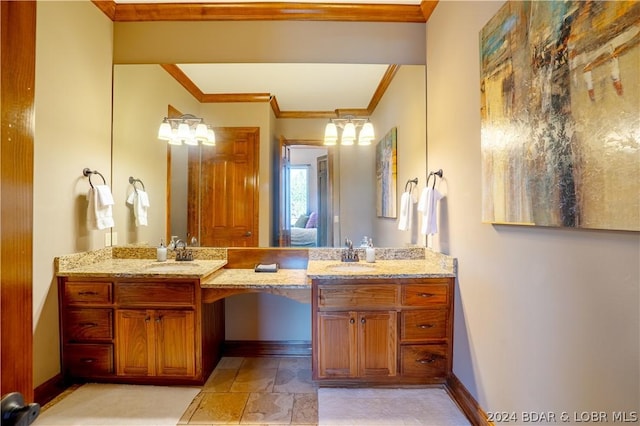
[
  {"x": 134, "y": 331},
  {"x": 377, "y": 343},
  {"x": 175, "y": 342},
  {"x": 337, "y": 344}
]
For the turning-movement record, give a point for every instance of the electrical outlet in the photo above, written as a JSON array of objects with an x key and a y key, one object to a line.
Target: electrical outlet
[
  {"x": 336, "y": 219},
  {"x": 114, "y": 238},
  {"x": 107, "y": 239}
]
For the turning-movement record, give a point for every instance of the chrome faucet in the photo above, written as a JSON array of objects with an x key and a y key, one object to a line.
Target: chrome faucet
[
  {"x": 182, "y": 254},
  {"x": 349, "y": 254}
]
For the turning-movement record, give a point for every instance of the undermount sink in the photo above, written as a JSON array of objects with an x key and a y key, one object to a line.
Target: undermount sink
[
  {"x": 171, "y": 267},
  {"x": 351, "y": 267}
]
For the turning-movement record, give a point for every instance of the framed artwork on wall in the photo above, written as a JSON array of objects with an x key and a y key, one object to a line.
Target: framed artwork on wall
[
  {"x": 386, "y": 175},
  {"x": 560, "y": 112}
]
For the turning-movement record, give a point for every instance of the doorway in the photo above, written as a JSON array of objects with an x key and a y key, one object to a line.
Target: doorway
[{"x": 305, "y": 194}]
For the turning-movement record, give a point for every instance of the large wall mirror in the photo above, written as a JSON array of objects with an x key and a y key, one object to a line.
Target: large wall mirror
[{"x": 142, "y": 95}]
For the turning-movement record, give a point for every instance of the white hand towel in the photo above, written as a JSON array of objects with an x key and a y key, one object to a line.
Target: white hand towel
[
  {"x": 427, "y": 206},
  {"x": 104, "y": 195},
  {"x": 140, "y": 202},
  {"x": 406, "y": 208},
  {"x": 99, "y": 215}
]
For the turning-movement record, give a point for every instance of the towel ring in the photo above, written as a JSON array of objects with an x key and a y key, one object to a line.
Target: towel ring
[
  {"x": 410, "y": 182},
  {"x": 434, "y": 174},
  {"x": 133, "y": 181},
  {"x": 88, "y": 172}
]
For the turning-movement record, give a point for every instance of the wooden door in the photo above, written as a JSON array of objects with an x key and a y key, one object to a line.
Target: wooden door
[
  {"x": 175, "y": 342},
  {"x": 223, "y": 202},
  {"x": 284, "y": 216},
  {"x": 337, "y": 344},
  {"x": 134, "y": 331},
  {"x": 324, "y": 222},
  {"x": 377, "y": 344}
]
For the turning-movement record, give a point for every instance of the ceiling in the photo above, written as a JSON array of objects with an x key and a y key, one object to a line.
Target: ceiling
[{"x": 296, "y": 87}]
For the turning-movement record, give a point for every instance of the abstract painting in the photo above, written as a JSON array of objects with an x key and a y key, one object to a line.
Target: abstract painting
[
  {"x": 560, "y": 111},
  {"x": 386, "y": 175}
]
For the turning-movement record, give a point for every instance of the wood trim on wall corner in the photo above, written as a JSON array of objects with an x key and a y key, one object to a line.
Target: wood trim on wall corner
[
  {"x": 467, "y": 403},
  {"x": 50, "y": 389},
  {"x": 18, "y": 22}
]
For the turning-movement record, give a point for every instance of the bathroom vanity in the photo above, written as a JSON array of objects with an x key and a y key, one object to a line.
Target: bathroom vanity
[
  {"x": 139, "y": 321},
  {"x": 127, "y": 318},
  {"x": 387, "y": 323}
]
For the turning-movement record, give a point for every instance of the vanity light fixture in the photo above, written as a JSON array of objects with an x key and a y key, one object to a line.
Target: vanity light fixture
[
  {"x": 186, "y": 129},
  {"x": 349, "y": 126}
]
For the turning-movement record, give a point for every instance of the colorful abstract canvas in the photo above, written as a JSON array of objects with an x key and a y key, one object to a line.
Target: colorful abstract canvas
[
  {"x": 560, "y": 110},
  {"x": 386, "y": 175}
]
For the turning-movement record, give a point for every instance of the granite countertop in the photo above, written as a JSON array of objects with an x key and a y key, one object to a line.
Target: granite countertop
[
  {"x": 247, "y": 278},
  {"x": 411, "y": 268},
  {"x": 143, "y": 268}
]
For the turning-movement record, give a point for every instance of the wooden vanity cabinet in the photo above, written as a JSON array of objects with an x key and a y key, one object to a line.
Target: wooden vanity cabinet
[
  {"x": 138, "y": 330},
  {"x": 86, "y": 315},
  {"x": 382, "y": 331}
]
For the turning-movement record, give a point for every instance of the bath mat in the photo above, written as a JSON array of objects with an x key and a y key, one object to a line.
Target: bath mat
[
  {"x": 95, "y": 404},
  {"x": 388, "y": 407}
]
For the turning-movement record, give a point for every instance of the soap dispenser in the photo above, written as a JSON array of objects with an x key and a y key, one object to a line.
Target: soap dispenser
[
  {"x": 162, "y": 251},
  {"x": 370, "y": 252}
]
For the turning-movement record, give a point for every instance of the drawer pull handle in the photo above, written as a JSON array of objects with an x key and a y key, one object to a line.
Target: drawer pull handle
[
  {"x": 426, "y": 360},
  {"x": 426, "y": 295},
  {"x": 88, "y": 324},
  {"x": 88, "y": 293},
  {"x": 87, "y": 360},
  {"x": 424, "y": 326}
]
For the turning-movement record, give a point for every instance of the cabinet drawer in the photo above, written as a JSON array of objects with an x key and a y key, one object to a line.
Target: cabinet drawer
[
  {"x": 357, "y": 296},
  {"x": 146, "y": 294},
  {"x": 423, "y": 360},
  {"x": 88, "y": 324},
  {"x": 420, "y": 325},
  {"x": 87, "y": 360},
  {"x": 87, "y": 292},
  {"x": 425, "y": 294}
]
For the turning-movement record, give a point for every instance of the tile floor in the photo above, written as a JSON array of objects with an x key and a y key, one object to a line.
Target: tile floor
[{"x": 256, "y": 391}]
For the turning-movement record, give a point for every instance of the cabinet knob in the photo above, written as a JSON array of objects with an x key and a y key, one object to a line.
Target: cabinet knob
[
  {"x": 426, "y": 295},
  {"x": 426, "y": 360},
  {"x": 248, "y": 234},
  {"x": 87, "y": 360},
  {"x": 363, "y": 320},
  {"x": 147, "y": 319},
  {"x": 423, "y": 326},
  {"x": 352, "y": 321}
]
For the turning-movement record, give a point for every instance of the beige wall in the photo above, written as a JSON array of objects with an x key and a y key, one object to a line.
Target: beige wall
[
  {"x": 546, "y": 319},
  {"x": 141, "y": 96},
  {"x": 72, "y": 131},
  {"x": 404, "y": 107}
]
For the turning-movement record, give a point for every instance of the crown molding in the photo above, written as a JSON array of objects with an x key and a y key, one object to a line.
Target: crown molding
[
  {"x": 200, "y": 96},
  {"x": 282, "y": 11}
]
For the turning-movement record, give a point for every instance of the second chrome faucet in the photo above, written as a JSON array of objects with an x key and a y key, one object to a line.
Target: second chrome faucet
[{"x": 349, "y": 254}]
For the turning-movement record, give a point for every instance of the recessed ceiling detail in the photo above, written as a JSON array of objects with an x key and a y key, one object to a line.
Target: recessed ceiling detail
[{"x": 297, "y": 87}]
